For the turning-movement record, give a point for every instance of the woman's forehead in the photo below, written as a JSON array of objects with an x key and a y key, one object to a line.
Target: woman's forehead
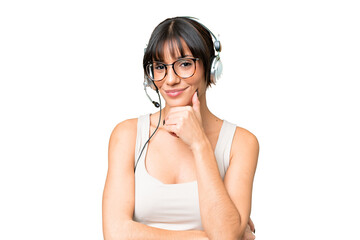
[{"x": 172, "y": 50}]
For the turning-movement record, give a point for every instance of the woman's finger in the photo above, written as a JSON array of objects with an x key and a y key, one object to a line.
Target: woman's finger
[
  {"x": 251, "y": 224},
  {"x": 172, "y": 129}
]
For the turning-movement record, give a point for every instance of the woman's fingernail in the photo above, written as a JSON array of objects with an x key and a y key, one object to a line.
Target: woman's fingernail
[
  {"x": 174, "y": 134},
  {"x": 254, "y": 230},
  {"x": 197, "y": 92},
  {"x": 164, "y": 122}
]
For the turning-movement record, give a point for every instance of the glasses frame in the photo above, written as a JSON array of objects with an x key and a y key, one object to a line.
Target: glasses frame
[{"x": 149, "y": 65}]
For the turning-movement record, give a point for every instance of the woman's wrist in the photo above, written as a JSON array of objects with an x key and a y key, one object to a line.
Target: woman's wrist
[{"x": 201, "y": 145}]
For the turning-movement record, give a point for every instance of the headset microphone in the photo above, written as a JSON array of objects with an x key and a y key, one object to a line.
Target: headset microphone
[
  {"x": 146, "y": 84},
  {"x": 156, "y": 104}
]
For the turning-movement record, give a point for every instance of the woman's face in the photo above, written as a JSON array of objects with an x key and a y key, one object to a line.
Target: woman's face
[{"x": 175, "y": 90}]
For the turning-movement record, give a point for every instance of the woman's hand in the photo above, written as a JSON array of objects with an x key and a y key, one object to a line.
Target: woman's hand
[
  {"x": 249, "y": 231},
  {"x": 248, "y": 235},
  {"x": 185, "y": 122}
]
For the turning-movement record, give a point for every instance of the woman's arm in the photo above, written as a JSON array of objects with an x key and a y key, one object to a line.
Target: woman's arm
[
  {"x": 224, "y": 206},
  {"x": 119, "y": 192},
  {"x": 240, "y": 174}
]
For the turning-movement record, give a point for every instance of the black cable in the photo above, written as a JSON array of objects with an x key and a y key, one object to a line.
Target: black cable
[{"x": 151, "y": 134}]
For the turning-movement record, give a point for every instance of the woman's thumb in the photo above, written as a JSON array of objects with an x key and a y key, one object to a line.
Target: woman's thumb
[{"x": 196, "y": 102}]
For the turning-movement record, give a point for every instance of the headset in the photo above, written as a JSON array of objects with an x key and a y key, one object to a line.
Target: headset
[{"x": 215, "y": 73}]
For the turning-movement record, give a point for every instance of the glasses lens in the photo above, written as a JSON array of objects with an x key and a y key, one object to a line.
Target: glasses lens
[
  {"x": 156, "y": 71},
  {"x": 185, "y": 68}
]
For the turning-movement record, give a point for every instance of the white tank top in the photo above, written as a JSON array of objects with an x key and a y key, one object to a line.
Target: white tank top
[{"x": 172, "y": 206}]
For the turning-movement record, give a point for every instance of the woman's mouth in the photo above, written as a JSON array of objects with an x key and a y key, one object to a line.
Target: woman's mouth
[{"x": 175, "y": 92}]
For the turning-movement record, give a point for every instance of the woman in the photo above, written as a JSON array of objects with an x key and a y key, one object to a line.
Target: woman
[{"x": 193, "y": 178}]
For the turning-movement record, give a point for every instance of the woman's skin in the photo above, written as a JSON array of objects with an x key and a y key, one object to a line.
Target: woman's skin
[{"x": 189, "y": 136}]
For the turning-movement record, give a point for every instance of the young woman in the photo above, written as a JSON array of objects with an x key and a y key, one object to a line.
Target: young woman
[{"x": 193, "y": 178}]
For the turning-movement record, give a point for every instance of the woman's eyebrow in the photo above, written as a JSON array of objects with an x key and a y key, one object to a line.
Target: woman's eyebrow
[
  {"x": 186, "y": 55},
  {"x": 180, "y": 57}
]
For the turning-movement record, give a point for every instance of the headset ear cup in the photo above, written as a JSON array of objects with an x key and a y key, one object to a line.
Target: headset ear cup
[
  {"x": 149, "y": 83},
  {"x": 215, "y": 69}
]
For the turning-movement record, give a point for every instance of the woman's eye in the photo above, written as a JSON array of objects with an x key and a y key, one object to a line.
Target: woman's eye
[
  {"x": 186, "y": 64},
  {"x": 159, "y": 67}
]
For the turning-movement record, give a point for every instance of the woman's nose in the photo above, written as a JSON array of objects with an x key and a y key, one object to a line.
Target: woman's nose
[{"x": 171, "y": 77}]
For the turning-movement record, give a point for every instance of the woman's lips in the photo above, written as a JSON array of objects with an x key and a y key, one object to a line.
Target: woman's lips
[{"x": 175, "y": 92}]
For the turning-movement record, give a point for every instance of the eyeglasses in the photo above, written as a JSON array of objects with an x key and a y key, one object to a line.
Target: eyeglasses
[{"x": 183, "y": 67}]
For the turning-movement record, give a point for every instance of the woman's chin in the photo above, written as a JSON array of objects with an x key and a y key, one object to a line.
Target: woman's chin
[{"x": 178, "y": 103}]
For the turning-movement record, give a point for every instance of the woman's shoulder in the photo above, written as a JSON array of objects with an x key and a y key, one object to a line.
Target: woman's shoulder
[
  {"x": 122, "y": 144},
  {"x": 245, "y": 136},
  {"x": 244, "y": 141},
  {"x": 242, "y": 136},
  {"x": 125, "y": 130}
]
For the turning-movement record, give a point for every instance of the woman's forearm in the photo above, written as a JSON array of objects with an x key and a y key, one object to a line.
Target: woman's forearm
[
  {"x": 220, "y": 217},
  {"x": 134, "y": 230}
]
